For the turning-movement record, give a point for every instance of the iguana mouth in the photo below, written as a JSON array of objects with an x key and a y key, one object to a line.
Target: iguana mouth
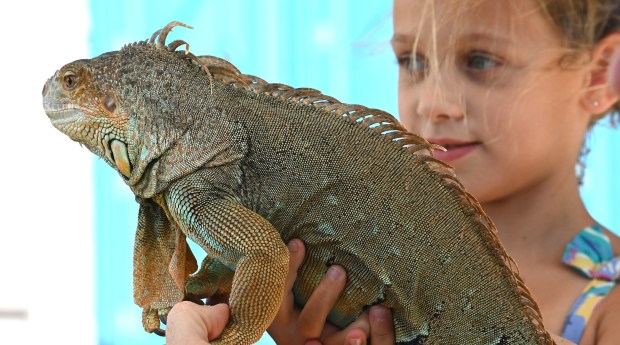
[{"x": 62, "y": 112}]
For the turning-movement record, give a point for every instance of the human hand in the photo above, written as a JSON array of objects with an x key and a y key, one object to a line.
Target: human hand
[
  {"x": 308, "y": 326},
  {"x": 614, "y": 72},
  {"x": 190, "y": 323}
]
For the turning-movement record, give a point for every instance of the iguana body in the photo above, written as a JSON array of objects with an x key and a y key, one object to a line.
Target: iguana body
[{"x": 241, "y": 166}]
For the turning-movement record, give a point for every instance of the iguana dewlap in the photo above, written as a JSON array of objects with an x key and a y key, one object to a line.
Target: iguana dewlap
[{"x": 241, "y": 166}]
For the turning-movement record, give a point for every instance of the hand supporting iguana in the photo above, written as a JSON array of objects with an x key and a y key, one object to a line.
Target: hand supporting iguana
[
  {"x": 195, "y": 324},
  {"x": 190, "y": 323},
  {"x": 294, "y": 326},
  {"x": 308, "y": 325}
]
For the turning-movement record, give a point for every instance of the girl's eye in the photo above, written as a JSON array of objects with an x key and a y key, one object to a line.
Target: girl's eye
[
  {"x": 414, "y": 63},
  {"x": 479, "y": 61}
]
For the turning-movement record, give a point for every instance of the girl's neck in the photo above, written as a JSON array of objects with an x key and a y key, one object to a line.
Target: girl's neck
[{"x": 537, "y": 222}]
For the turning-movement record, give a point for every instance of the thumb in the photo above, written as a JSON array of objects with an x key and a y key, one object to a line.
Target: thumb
[
  {"x": 215, "y": 317},
  {"x": 190, "y": 323}
]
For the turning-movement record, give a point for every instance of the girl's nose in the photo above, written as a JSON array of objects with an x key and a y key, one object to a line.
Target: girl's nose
[{"x": 441, "y": 99}]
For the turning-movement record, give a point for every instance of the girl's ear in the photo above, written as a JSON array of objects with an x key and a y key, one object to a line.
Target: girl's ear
[
  {"x": 600, "y": 94},
  {"x": 614, "y": 72}
]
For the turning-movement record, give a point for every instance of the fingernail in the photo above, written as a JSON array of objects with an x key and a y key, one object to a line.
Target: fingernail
[
  {"x": 293, "y": 246},
  {"x": 334, "y": 272},
  {"x": 355, "y": 342},
  {"x": 379, "y": 313}
]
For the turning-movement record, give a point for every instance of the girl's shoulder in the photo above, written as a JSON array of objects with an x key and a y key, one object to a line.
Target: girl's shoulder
[
  {"x": 603, "y": 328},
  {"x": 615, "y": 241}
]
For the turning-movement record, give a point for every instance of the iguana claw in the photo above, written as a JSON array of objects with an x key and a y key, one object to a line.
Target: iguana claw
[{"x": 194, "y": 299}]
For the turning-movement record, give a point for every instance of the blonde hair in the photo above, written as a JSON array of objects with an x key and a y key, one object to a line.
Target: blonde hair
[{"x": 582, "y": 24}]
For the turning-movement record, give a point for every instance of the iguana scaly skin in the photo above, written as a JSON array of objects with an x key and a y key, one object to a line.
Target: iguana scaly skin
[{"x": 241, "y": 166}]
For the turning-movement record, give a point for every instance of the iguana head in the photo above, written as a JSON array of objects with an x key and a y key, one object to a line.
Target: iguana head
[
  {"x": 82, "y": 103},
  {"x": 132, "y": 107}
]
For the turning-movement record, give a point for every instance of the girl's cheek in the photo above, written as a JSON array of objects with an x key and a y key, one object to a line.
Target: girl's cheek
[
  {"x": 406, "y": 113},
  {"x": 407, "y": 108}
]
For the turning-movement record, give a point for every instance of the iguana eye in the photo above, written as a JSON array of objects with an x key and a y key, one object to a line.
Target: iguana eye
[{"x": 70, "y": 80}]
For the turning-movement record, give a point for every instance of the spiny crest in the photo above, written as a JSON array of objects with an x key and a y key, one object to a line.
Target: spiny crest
[
  {"x": 161, "y": 34},
  {"x": 158, "y": 41},
  {"x": 223, "y": 71},
  {"x": 375, "y": 120}
]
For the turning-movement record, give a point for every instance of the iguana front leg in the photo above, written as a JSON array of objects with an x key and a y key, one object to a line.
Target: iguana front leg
[
  {"x": 162, "y": 263},
  {"x": 240, "y": 238}
]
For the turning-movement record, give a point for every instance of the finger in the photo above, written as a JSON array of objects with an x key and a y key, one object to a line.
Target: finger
[
  {"x": 381, "y": 325},
  {"x": 314, "y": 314},
  {"x": 192, "y": 323},
  {"x": 283, "y": 326},
  {"x": 354, "y": 334},
  {"x": 356, "y": 337},
  {"x": 297, "y": 251},
  {"x": 215, "y": 317}
]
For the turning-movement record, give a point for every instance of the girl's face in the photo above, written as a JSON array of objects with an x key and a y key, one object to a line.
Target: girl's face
[{"x": 482, "y": 78}]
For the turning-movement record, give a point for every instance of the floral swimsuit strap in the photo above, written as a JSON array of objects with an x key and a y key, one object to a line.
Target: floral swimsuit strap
[{"x": 590, "y": 253}]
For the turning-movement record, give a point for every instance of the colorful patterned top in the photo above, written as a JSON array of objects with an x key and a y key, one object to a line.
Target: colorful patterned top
[{"x": 591, "y": 254}]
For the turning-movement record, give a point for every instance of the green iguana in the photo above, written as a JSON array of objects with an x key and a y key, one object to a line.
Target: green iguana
[{"x": 241, "y": 166}]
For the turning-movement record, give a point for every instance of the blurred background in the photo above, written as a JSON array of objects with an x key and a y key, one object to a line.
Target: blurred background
[{"x": 68, "y": 221}]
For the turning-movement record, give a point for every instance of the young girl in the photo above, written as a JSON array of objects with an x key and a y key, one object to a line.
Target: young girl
[{"x": 510, "y": 88}]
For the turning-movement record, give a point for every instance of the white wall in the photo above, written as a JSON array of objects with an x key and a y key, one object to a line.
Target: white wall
[{"x": 46, "y": 256}]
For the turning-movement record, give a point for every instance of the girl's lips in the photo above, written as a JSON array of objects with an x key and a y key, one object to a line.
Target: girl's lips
[{"x": 454, "y": 149}]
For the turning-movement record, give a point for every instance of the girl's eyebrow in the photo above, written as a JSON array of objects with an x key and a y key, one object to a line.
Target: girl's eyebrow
[
  {"x": 401, "y": 38},
  {"x": 475, "y": 36},
  {"x": 484, "y": 37}
]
